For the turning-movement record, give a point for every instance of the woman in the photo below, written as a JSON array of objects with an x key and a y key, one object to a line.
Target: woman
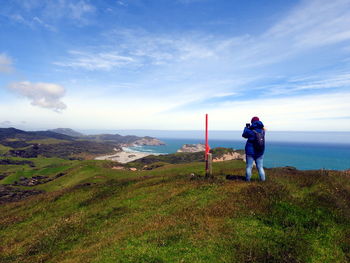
[{"x": 255, "y": 147}]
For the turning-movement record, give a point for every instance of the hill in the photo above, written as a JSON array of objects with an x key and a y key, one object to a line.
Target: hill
[
  {"x": 86, "y": 211},
  {"x": 13, "y": 133},
  {"x": 111, "y": 138},
  {"x": 126, "y": 140},
  {"x": 67, "y": 131},
  {"x": 31, "y": 144}
]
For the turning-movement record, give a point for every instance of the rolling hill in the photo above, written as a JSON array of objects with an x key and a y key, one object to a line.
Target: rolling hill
[{"x": 87, "y": 211}]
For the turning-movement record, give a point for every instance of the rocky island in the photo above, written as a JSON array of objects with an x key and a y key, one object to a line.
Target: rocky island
[
  {"x": 150, "y": 141},
  {"x": 192, "y": 148}
]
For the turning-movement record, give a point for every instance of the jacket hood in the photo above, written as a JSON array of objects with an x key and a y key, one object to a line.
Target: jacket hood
[{"x": 257, "y": 124}]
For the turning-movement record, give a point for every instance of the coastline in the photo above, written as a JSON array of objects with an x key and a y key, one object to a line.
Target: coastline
[{"x": 303, "y": 156}]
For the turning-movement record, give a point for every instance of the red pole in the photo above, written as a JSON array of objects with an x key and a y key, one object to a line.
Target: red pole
[{"x": 206, "y": 137}]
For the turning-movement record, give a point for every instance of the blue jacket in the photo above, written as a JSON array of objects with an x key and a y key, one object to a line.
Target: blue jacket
[{"x": 250, "y": 135}]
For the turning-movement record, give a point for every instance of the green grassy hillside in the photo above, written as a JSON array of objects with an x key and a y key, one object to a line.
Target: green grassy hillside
[
  {"x": 93, "y": 213},
  {"x": 60, "y": 143}
]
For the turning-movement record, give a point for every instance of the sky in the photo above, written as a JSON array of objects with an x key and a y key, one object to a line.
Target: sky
[{"x": 164, "y": 64}]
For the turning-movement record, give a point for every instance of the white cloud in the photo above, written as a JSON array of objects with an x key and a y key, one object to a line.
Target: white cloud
[
  {"x": 37, "y": 20},
  {"x": 315, "y": 23},
  {"x": 45, "y": 95},
  {"x": 337, "y": 81},
  {"x": 46, "y": 13},
  {"x": 31, "y": 22},
  {"x": 138, "y": 48},
  {"x": 5, "y": 63},
  {"x": 17, "y": 18},
  {"x": 122, "y": 3},
  {"x": 79, "y": 9},
  {"x": 95, "y": 61}
]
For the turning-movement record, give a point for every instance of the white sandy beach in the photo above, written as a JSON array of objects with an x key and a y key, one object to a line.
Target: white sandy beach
[{"x": 124, "y": 156}]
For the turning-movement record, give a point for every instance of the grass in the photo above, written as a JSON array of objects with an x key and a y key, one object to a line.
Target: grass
[
  {"x": 97, "y": 214},
  {"x": 43, "y": 167}
]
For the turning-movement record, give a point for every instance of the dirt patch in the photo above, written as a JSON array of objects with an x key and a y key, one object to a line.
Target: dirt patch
[
  {"x": 118, "y": 168},
  {"x": 235, "y": 177},
  {"x": 3, "y": 175},
  {"x": 11, "y": 194},
  {"x": 16, "y": 162},
  {"x": 84, "y": 185},
  {"x": 35, "y": 180}
]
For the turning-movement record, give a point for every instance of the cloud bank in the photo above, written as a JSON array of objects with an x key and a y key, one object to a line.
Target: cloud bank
[
  {"x": 5, "y": 124},
  {"x": 44, "y": 95}
]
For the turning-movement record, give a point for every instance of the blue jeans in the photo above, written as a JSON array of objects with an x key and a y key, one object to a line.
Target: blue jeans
[{"x": 259, "y": 165}]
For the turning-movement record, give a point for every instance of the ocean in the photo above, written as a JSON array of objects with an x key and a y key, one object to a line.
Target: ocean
[
  {"x": 305, "y": 150},
  {"x": 302, "y": 155}
]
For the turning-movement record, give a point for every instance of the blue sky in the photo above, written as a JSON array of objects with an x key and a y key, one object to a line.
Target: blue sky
[{"x": 137, "y": 64}]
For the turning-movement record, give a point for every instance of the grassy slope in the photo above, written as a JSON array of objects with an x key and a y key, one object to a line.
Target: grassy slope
[
  {"x": 163, "y": 216},
  {"x": 4, "y": 149},
  {"x": 48, "y": 141},
  {"x": 43, "y": 167}
]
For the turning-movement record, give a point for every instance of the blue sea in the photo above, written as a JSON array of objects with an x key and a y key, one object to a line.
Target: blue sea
[{"x": 302, "y": 155}]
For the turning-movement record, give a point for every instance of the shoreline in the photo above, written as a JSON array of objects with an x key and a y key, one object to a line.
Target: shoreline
[{"x": 126, "y": 155}]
